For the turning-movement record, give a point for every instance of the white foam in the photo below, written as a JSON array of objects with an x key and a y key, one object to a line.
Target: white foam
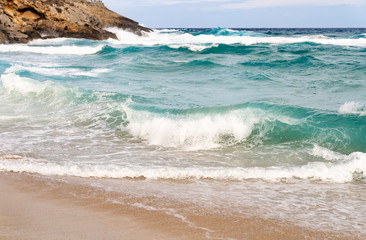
[
  {"x": 192, "y": 131},
  {"x": 47, "y": 91},
  {"x": 319, "y": 36},
  {"x": 14, "y": 83},
  {"x": 50, "y": 41},
  {"x": 326, "y": 154},
  {"x": 198, "y": 131},
  {"x": 172, "y": 212},
  {"x": 59, "y": 71},
  {"x": 353, "y": 108},
  {"x": 176, "y": 39},
  {"x": 59, "y": 50},
  {"x": 350, "y": 167}
]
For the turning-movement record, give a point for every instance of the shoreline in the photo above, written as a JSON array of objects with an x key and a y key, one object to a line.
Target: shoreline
[
  {"x": 48, "y": 210},
  {"x": 43, "y": 213}
]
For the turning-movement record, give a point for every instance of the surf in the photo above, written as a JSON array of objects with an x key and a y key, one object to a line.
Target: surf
[
  {"x": 247, "y": 124},
  {"x": 338, "y": 168},
  {"x": 50, "y": 50},
  {"x": 210, "y": 39}
]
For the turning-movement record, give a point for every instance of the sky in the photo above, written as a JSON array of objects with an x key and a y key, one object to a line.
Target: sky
[{"x": 242, "y": 13}]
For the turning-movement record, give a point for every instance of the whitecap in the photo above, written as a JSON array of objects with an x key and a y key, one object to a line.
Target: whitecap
[
  {"x": 191, "y": 132},
  {"x": 177, "y": 39},
  {"x": 59, "y": 71},
  {"x": 51, "y": 50},
  {"x": 353, "y": 107},
  {"x": 48, "y": 92},
  {"x": 52, "y": 41}
]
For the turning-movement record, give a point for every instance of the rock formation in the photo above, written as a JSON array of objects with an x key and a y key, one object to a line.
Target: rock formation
[{"x": 24, "y": 20}]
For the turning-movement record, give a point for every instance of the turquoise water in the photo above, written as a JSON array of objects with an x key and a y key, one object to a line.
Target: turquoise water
[{"x": 219, "y": 104}]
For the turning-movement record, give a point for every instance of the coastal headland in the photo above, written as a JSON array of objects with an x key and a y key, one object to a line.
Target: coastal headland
[{"x": 24, "y": 20}]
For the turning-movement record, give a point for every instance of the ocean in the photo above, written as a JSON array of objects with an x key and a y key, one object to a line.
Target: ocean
[{"x": 238, "y": 122}]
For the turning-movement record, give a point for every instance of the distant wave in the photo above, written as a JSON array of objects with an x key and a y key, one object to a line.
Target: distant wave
[
  {"x": 59, "y": 70},
  {"x": 179, "y": 39},
  {"x": 302, "y": 61},
  {"x": 201, "y": 63},
  {"x": 57, "y": 50},
  {"x": 50, "y": 41}
]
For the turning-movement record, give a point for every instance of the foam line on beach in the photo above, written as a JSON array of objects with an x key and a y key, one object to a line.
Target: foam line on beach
[{"x": 343, "y": 168}]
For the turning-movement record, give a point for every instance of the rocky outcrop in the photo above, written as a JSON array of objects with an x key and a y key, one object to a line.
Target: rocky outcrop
[{"x": 25, "y": 20}]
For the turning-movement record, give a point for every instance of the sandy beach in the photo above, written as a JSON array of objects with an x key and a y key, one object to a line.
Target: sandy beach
[{"x": 31, "y": 208}]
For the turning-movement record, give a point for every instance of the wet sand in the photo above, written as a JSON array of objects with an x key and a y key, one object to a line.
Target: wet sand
[
  {"x": 29, "y": 210},
  {"x": 32, "y": 208}
]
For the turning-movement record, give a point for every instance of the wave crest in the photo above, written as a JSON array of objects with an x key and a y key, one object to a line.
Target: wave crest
[
  {"x": 193, "y": 132},
  {"x": 59, "y": 70},
  {"x": 52, "y": 50},
  {"x": 353, "y": 108},
  {"x": 199, "y": 42},
  {"x": 249, "y": 124},
  {"x": 27, "y": 86}
]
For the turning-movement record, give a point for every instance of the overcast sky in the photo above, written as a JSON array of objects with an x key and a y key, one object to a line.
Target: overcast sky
[{"x": 243, "y": 13}]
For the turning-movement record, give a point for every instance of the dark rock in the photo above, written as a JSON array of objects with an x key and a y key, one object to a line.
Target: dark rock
[
  {"x": 3, "y": 38},
  {"x": 24, "y": 20}
]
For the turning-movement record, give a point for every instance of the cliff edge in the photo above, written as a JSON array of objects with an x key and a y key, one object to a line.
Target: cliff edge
[{"x": 25, "y": 20}]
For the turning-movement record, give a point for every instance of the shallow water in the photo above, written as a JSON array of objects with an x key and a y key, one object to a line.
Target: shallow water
[{"x": 272, "y": 119}]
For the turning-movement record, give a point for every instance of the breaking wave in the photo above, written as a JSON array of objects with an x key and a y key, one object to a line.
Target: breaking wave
[
  {"x": 181, "y": 39},
  {"x": 252, "y": 123},
  {"x": 353, "y": 108},
  {"x": 51, "y": 50},
  {"x": 59, "y": 70}
]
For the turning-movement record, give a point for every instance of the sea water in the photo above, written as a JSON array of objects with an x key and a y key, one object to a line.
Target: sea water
[{"x": 273, "y": 119}]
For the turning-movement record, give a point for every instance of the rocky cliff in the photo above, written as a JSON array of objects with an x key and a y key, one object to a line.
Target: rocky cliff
[{"x": 24, "y": 20}]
